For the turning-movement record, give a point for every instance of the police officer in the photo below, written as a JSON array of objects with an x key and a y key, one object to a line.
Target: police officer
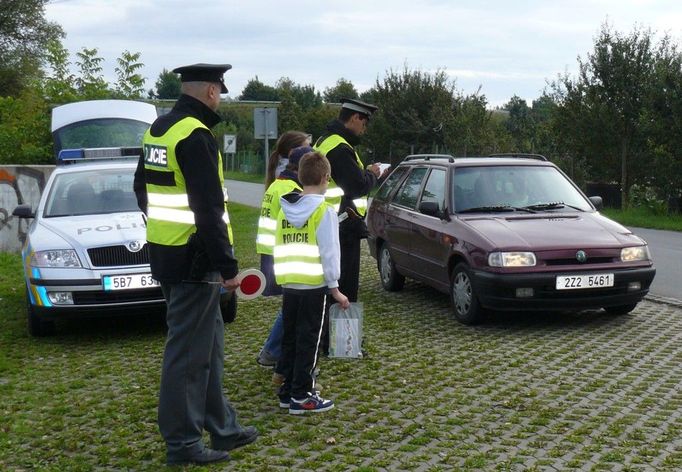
[
  {"x": 179, "y": 186},
  {"x": 349, "y": 187}
]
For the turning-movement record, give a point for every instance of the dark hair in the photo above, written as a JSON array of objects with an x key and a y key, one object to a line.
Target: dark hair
[
  {"x": 286, "y": 142},
  {"x": 345, "y": 114},
  {"x": 312, "y": 168}
]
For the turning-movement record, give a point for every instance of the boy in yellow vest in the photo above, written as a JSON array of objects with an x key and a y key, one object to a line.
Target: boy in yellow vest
[{"x": 307, "y": 266}]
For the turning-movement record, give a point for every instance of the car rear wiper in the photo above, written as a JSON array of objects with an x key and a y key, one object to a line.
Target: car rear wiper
[
  {"x": 552, "y": 206},
  {"x": 493, "y": 208}
]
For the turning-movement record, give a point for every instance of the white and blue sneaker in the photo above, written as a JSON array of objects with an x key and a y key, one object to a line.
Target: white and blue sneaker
[{"x": 311, "y": 404}]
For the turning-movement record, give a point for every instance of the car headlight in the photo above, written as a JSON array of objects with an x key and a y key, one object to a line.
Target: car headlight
[
  {"x": 55, "y": 258},
  {"x": 511, "y": 259},
  {"x": 636, "y": 253}
]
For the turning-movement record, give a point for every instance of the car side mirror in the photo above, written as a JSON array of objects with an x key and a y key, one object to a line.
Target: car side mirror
[
  {"x": 431, "y": 209},
  {"x": 23, "y": 211},
  {"x": 597, "y": 202}
]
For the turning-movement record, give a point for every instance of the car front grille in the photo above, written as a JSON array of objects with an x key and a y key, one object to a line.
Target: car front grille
[
  {"x": 572, "y": 261},
  {"x": 122, "y": 296},
  {"x": 114, "y": 256}
]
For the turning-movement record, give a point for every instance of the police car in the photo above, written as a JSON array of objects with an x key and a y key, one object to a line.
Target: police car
[{"x": 85, "y": 253}]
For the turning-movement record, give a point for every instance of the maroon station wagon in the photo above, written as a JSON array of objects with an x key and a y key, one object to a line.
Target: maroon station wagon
[{"x": 511, "y": 232}]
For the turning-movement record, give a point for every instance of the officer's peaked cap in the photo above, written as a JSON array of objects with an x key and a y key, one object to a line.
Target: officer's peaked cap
[
  {"x": 204, "y": 73},
  {"x": 358, "y": 106}
]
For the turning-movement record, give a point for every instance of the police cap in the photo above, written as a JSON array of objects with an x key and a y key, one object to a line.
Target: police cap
[
  {"x": 204, "y": 73},
  {"x": 358, "y": 106}
]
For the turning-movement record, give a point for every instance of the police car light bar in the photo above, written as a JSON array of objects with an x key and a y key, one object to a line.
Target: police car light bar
[{"x": 67, "y": 156}]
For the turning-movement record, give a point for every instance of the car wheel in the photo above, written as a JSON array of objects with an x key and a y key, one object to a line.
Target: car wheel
[
  {"x": 391, "y": 279},
  {"x": 37, "y": 326},
  {"x": 620, "y": 309},
  {"x": 465, "y": 303}
]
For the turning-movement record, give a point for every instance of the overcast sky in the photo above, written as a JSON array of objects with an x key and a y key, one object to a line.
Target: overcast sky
[{"x": 505, "y": 47}]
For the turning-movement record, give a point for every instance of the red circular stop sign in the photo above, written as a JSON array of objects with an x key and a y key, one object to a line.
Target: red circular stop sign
[{"x": 251, "y": 283}]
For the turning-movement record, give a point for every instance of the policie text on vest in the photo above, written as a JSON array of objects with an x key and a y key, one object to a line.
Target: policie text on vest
[
  {"x": 155, "y": 155},
  {"x": 288, "y": 238}
]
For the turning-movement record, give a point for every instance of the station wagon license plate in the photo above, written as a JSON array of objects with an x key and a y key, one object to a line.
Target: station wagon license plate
[
  {"x": 128, "y": 282},
  {"x": 574, "y": 282}
]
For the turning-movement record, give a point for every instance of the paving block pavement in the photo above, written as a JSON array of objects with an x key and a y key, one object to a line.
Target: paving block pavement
[{"x": 520, "y": 392}]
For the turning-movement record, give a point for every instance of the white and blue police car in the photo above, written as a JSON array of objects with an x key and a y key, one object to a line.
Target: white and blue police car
[{"x": 85, "y": 253}]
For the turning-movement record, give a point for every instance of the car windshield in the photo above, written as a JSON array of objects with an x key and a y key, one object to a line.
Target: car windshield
[
  {"x": 100, "y": 133},
  {"x": 90, "y": 192},
  {"x": 515, "y": 188}
]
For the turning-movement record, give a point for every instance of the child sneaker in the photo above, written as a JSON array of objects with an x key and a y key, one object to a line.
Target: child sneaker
[
  {"x": 311, "y": 404},
  {"x": 284, "y": 401}
]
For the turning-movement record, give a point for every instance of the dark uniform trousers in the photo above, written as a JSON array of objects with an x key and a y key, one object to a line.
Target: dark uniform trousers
[
  {"x": 350, "y": 267},
  {"x": 303, "y": 314},
  {"x": 194, "y": 354}
]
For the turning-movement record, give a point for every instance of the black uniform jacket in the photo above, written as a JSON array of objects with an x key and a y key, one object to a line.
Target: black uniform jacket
[
  {"x": 356, "y": 182},
  {"x": 197, "y": 156}
]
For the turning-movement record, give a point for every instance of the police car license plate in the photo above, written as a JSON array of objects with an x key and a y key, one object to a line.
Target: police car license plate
[
  {"x": 575, "y": 282},
  {"x": 128, "y": 281}
]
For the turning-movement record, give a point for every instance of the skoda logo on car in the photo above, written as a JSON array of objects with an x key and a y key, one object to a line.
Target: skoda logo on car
[
  {"x": 135, "y": 246},
  {"x": 581, "y": 256}
]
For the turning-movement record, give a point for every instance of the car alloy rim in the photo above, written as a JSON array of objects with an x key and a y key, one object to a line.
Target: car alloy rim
[
  {"x": 461, "y": 293},
  {"x": 385, "y": 265}
]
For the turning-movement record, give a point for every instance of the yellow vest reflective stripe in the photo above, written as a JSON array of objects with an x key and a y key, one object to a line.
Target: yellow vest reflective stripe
[
  {"x": 267, "y": 222},
  {"x": 170, "y": 221},
  {"x": 296, "y": 253},
  {"x": 334, "y": 192}
]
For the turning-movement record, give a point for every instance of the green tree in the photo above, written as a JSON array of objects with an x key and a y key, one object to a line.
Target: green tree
[
  {"x": 415, "y": 113},
  {"x": 662, "y": 169},
  {"x": 25, "y": 130},
  {"x": 304, "y": 95},
  {"x": 167, "y": 85},
  {"x": 289, "y": 113},
  {"x": 470, "y": 130},
  {"x": 343, "y": 89},
  {"x": 90, "y": 82},
  {"x": 612, "y": 94},
  {"x": 520, "y": 124},
  {"x": 130, "y": 84},
  {"x": 316, "y": 119},
  {"x": 257, "y": 90},
  {"x": 543, "y": 111},
  {"x": 24, "y": 35},
  {"x": 59, "y": 84}
]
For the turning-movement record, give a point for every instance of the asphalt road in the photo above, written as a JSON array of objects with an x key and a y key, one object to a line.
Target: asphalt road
[
  {"x": 244, "y": 192},
  {"x": 666, "y": 251},
  {"x": 665, "y": 246}
]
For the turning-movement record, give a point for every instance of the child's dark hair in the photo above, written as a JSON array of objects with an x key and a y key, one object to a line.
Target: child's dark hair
[
  {"x": 286, "y": 142},
  {"x": 312, "y": 168}
]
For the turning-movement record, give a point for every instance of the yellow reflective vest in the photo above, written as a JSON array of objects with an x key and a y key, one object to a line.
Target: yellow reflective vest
[
  {"x": 170, "y": 221},
  {"x": 334, "y": 193},
  {"x": 296, "y": 254},
  {"x": 267, "y": 222}
]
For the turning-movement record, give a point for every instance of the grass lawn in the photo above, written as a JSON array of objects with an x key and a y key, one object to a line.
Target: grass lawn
[
  {"x": 570, "y": 391},
  {"x": 643, "y": 218},
  {"x": 245, "y": 177}
]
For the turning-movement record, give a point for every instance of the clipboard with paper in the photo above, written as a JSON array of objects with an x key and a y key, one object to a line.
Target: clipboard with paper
[{"x": 345, "y": 331}]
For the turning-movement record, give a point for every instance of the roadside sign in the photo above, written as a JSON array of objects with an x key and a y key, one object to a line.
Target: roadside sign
[
  {"x": 229, "y": 143},
  {"x": 265, "y": 123}
]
